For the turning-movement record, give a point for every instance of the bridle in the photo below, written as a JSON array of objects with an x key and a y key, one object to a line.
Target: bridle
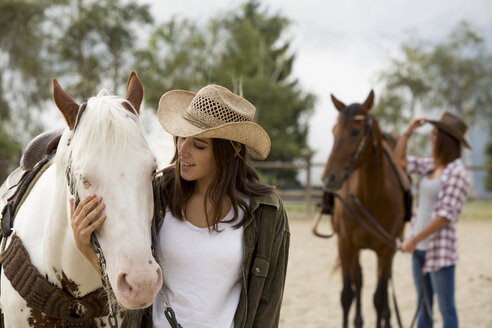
[
  {"x": 71, "y": 181},
  {"x": 369, "y": 119},
  {"x": 371, "y": 224}
]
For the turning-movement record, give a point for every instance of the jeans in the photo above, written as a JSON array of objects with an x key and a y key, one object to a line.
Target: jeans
[{"x": 441, "y": 283}]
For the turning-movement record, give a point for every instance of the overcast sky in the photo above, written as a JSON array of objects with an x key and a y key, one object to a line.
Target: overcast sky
[{"x": 341, "y": 45}]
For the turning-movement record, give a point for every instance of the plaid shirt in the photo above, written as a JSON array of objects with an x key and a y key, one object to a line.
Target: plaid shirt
[{"x": 442, "y": 248}]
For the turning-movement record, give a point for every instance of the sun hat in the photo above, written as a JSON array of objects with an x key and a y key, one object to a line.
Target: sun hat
[
  {"x": 213, "y": 112},
  {"x": 452, "y": 125}
]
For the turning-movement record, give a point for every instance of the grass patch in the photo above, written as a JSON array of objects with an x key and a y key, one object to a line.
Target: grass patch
[
  {"x": 472, "y": 210},
  {"x": 477, "y": 210},
  {"x": 299, "y": 207}
]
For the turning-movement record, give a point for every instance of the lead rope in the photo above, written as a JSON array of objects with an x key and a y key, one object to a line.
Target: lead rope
[
  {"x": 169, "y": 313},
  {"x": 113, "y": 310},
  {"x": 424, "y": 298}
]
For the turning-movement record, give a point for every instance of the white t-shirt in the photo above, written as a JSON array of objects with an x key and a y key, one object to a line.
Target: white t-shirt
[
  {"x": 428, "y": 192},
  {"x": 201, "y": 273}
]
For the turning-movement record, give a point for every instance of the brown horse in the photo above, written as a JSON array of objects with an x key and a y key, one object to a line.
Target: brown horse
[{"x": 369, "y": 209}]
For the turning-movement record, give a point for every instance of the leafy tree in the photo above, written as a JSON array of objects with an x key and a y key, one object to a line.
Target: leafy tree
[
  {"x": 9, "y": 154},
  {"x": 22, "y": 69},
  {"x": 405, "y": 87},
  {"x": 85, "y": 43},
  {"x": 246, "y": 51},
  {"x": 176, "y": 57},
  {"x": 257, "y": 62},
  {"x": 454, "y": 74},
  {"x": 97, "y": 43}
]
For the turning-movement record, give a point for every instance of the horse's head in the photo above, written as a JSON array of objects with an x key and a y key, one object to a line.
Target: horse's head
[
  {"x": 353, "y": 141},
  {"x": 104, "y": 152}
]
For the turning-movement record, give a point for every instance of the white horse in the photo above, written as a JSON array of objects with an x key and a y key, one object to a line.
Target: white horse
[{"x": 106, "y": 154}]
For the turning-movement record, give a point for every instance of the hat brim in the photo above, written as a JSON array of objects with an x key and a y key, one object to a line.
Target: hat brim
[
  {"x": 172, "y": 106},
  {"x": 450, "y": 131}
]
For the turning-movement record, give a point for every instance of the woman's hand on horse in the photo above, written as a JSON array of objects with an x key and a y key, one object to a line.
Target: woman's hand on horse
[{"x": 85, "y": 219}]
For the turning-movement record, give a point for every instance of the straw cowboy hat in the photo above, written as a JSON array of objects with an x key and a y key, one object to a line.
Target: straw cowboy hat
[
  {"x": 213, "y": 112},
  {"x": 452, "y": 125}
]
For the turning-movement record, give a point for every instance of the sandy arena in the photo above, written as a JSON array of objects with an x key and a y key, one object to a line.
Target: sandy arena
[{"x": 312, "y": 291}]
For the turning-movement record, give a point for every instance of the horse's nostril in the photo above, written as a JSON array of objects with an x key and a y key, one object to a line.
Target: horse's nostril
[{"x": 332, "y": 178}]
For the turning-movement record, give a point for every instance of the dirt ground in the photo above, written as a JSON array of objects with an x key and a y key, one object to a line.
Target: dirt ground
[{"x": 312, "y": 291}]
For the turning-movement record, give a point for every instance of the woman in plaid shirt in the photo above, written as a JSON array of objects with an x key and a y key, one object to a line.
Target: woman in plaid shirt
[{"x": 442, "y": 191}]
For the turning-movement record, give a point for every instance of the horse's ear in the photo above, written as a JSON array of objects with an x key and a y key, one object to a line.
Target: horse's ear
[
  {"x": 134, "y": 93},
  {"x": 338, "y": 104},
  {"x": 67, "y": 106},
  {"x": 367, "y": 105}
]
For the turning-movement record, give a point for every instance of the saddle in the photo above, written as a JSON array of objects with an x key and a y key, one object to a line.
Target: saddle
[
  {"x": 40, "y": 147},
  {"x": 35, "y": 159}
]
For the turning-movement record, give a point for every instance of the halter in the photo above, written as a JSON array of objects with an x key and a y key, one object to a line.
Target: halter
[
  {"x": 372, "y": 225},
  {"x": 101, "y": 261}
]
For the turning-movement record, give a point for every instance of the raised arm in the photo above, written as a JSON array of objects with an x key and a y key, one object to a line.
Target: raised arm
[{"x": 400, "y": 153}]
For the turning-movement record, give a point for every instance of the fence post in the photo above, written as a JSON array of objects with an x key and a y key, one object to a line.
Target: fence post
[{"x": 308, "y": 182}]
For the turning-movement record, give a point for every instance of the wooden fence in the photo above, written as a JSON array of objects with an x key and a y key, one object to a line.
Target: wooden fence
[{"x": 310, "y": 195}]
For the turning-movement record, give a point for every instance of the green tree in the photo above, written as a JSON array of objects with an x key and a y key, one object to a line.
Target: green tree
[
  {"x": 245, "y": 50},
  {"x": 86, "y": 44},
  {"x": 453, "y": 74},
  {"x": 98, "y": 42},
  {"x": 22, "y": 69},
  {"x": 257, "y": 62},
  {"x": 9, "y": 154},
  {"x": 176, "y": 57}
]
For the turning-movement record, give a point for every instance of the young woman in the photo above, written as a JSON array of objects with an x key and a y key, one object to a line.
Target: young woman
[
  {"x": 442, "y": 190},
  {"x": 221, "y": 236}
]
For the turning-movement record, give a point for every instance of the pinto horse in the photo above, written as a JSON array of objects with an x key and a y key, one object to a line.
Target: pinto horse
[
  {"x": 369, "y": 209},
  {"x": 102, "y": 151}
]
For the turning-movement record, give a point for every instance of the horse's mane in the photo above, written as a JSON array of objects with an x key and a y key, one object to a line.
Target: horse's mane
[{"x": 107, "y": 132}]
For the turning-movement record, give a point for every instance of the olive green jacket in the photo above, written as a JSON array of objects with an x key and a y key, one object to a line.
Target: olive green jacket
[{"x": 266, "y": 241}]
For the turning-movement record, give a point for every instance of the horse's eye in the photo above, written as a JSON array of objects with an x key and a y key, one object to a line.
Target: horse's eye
[
  {"x": 354, "y": 132},
  {"x": 85, "y": 182}
]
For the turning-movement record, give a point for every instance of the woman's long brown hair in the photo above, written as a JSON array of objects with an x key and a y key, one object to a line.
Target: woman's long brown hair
[
  {"x": 447, "y": 148},
  {"x": 234, "y": 176}
]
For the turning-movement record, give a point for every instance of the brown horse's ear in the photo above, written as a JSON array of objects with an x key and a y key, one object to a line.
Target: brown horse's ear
[
  {"x": 134, "y": 93},
  {"x": 67, "y": 106},
  {"x": 367, "y": 105},
  {"x": 338, "y": 104}
]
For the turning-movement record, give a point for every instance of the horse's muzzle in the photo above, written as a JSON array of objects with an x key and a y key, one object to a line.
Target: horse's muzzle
[{"x": 333, "y": 181}]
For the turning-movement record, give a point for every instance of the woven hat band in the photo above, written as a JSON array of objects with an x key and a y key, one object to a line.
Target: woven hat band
[{"x": 206, "y": 113}]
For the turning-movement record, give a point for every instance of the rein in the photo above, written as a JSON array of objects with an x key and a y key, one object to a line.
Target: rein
[
  {"x": 373, "y": 225},
  {"x": 101, "y": 261}
]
